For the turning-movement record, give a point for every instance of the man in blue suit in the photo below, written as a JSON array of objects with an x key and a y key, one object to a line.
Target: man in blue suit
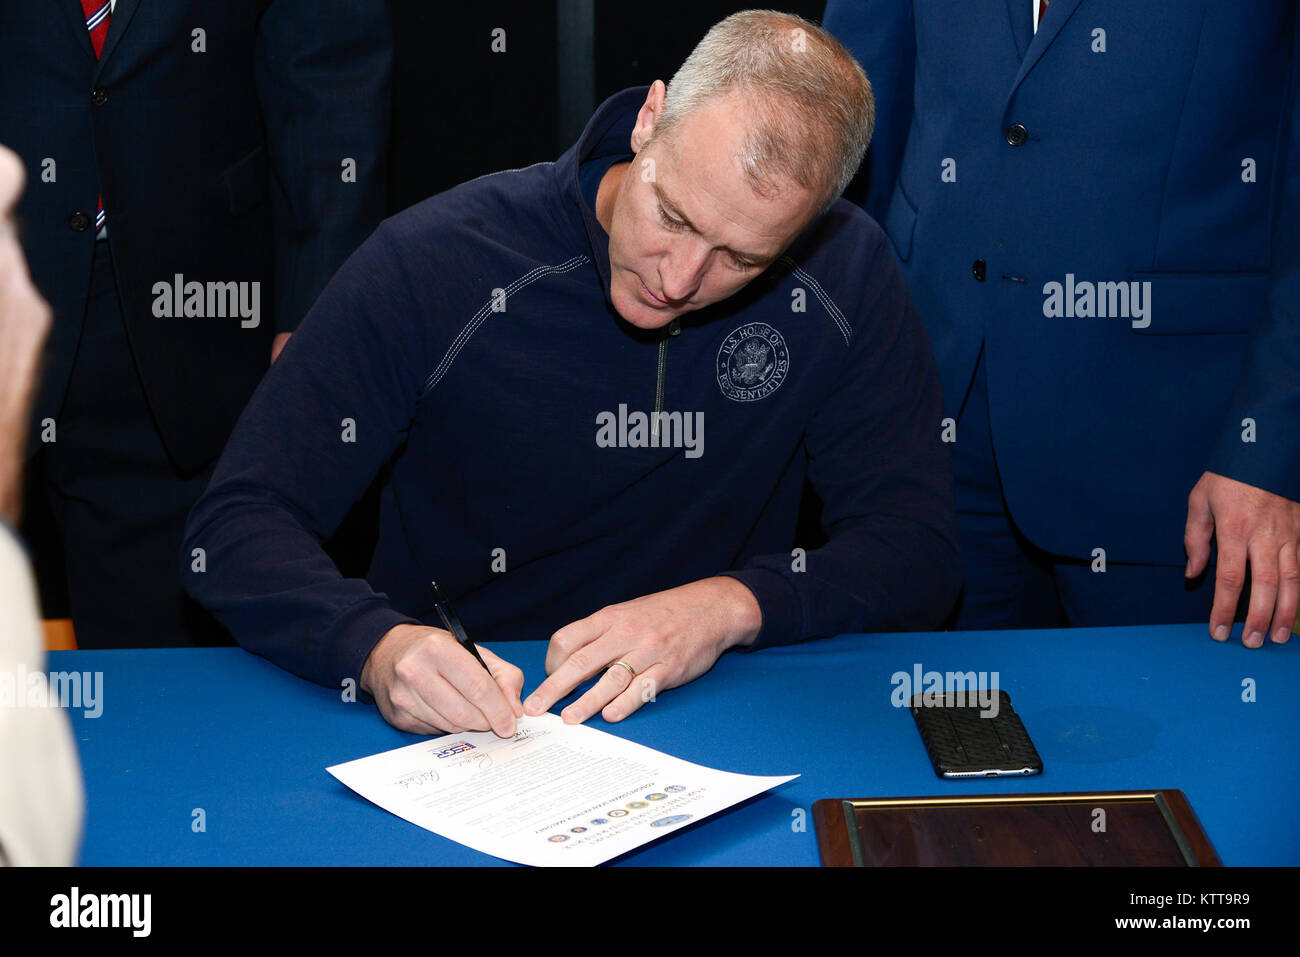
[
  {"x": 1095, "y": 203},
  {"x": 197, "y": 171}
]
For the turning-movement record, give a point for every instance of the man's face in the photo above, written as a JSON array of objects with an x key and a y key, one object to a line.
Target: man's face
[{"x": 686, "y": 229}]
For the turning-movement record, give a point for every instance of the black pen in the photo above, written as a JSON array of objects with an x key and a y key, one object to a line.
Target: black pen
[{"x": 452, "y": 622}]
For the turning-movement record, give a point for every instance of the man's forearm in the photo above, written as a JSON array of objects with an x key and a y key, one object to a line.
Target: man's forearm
[
  {"x": 269, "y": 581},
  {"x": 884, "y": 574}
]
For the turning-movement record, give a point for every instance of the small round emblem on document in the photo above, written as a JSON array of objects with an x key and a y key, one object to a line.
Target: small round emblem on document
[
  {"x": 753, "y": 361},
  {"x": 670, "y": 821}
]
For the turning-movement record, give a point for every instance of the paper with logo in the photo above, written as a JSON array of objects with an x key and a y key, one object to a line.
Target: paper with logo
[{"x": 553, "y": 795}]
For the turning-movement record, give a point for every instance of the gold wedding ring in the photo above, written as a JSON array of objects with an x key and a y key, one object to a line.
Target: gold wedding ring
[{"x": 630, "y": 670}]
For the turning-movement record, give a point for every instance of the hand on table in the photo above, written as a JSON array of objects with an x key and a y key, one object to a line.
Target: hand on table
[
  {"x": 1248, "y": 523},
  {"x": 424, "y": 682},
  {"x": 667, "y": 639}
]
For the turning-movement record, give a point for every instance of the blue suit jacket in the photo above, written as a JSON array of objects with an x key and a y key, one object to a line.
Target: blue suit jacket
[
  {"x": 220, "y": 158},
  {"x": 1157, "y": 145}
]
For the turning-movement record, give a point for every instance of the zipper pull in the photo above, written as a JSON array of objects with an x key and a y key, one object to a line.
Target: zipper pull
[{"x": 675, "y": 327}]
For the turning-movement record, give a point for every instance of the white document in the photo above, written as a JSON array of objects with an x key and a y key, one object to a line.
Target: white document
[{"x": 553, "y": 795}]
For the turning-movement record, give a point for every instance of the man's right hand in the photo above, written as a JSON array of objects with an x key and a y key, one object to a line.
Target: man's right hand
[{"x": 424, "y": 682}]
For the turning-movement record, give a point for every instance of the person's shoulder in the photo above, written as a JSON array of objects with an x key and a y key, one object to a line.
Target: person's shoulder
[
  {"x": 843, "y": 236},
  {"x": 459, "y": 245},
  {"x": 494, "y": 209},
  {"x": 846, "y": 256}
]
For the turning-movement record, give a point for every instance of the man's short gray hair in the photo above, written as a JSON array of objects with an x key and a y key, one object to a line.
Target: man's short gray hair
[{"x": 811, "y": 103}]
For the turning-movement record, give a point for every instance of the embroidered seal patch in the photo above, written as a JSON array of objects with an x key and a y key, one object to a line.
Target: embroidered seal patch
[{"x": 753, "y": 361}]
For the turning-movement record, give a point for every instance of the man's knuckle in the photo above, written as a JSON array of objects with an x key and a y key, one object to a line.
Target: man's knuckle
[
  {"x": 631, "y": 631},
  {"x": 1231, "y": 576},
  {"x": 478, "y": 688},
  {"x": 1266, "y": 579},
  {"x": 606, "y": 617},
  {"x": 400, "y": 699},
  {"x": 1232, "y": 536},
  {"x": 406, "y": 669},
  {"x": 581, "y": 659},
  {"x": 463, "y": 715}
]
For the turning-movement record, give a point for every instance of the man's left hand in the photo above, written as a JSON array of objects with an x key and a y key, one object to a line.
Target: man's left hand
[
  {"x": 1248, "y": 523},
  {"x": 663, "y": 640}
]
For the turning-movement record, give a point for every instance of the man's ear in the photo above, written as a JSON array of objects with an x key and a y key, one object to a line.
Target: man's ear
[{"x": 648, "y": 116}]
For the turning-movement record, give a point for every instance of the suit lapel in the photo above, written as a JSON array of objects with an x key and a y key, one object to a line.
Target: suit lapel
[
  {"x": 122, "y": 14},
  {"x": 1022, "y": 24},
  {"x": 76, "y": 18},
  {"x": 1053, "y": 21}
]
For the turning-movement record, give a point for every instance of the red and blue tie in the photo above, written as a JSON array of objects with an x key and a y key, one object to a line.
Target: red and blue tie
[{"x": 97, "y": 13}]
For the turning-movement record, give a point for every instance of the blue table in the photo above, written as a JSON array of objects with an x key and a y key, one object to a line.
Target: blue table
[{"x": 1112, "y": 708}]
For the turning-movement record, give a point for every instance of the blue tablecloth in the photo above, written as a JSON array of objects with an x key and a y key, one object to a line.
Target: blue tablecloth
[{"x": 1114, "y": 708}]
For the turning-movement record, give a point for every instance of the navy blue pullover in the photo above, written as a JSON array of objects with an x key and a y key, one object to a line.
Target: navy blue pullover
[{"x": 469, "y": 353}]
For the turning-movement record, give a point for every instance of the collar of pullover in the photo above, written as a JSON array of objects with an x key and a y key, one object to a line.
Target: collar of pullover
[{"x": 608, "y": 132}]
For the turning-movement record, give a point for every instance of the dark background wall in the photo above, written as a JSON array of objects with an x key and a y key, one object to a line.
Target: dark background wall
[{"x": 460, "y": 110}]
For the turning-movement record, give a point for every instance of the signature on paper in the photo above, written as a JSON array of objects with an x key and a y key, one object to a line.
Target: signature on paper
[{"x": 417, "y": 779}]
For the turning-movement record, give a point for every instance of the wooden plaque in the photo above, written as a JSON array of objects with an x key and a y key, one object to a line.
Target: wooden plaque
[{"x": 1090, "y": 828}]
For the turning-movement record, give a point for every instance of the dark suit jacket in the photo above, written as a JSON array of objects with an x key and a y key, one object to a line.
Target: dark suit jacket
[
  {"x": 217, "y": 133},
  {"x": 1156, "y": 144}
]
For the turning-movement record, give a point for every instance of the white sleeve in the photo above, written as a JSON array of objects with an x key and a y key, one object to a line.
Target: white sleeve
[{"x": 42, "y": 801}]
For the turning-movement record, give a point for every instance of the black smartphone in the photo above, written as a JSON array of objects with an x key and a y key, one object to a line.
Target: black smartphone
[{"x": 971, "y": 738}]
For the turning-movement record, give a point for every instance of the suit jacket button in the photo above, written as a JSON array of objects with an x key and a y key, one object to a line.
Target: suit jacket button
[
  {"x": 79, "y": 222},
  {"x": 1017, "y": 134},
  {"x": 977, "y": 269},
  {"x": 99, "y": 96}
]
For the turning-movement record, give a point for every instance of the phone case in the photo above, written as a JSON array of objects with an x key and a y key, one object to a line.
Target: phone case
[{"x": 962, "y": 742}]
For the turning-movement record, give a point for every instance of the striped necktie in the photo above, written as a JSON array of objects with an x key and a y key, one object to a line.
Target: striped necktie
[{"x": 98, "y": 13}]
